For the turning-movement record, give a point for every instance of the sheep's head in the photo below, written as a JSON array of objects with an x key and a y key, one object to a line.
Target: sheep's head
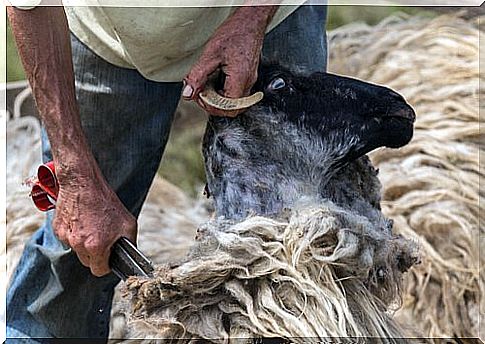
[
  {"x": 355, "y": 115},
  {"x": 291, "y": 143}
]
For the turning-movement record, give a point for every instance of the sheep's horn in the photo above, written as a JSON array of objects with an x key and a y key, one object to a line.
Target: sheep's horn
[{"x": 210, "y": 97}]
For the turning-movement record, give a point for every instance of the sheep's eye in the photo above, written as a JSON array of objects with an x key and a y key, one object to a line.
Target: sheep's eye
[{"x": 277, "y": 84}]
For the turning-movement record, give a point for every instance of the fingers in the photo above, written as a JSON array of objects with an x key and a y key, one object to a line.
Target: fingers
[
  {"x": 84, "y": 259},
  {"x": 93, "y": 252},
  {"x": 93, "y": 248},
  {"x": 235, "y": 85},
  {"x": 131, "y": 233},
  {"x": 99, "y": 264},
  {"x": 239, "y": 82},
  {"x": 195, "y": 81},
  {"x": 99, "y": 261}
]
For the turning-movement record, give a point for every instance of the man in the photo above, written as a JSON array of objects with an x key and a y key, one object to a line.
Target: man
[{"x": 125, "y": 66}]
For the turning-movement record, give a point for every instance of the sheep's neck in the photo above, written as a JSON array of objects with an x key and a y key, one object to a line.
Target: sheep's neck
[
  {"x": 256, "y": 167},
  {"x": 266, "y": 189}
]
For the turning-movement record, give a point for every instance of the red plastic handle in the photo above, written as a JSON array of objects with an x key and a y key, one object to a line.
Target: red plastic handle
[{"x": 46, "y": 188}]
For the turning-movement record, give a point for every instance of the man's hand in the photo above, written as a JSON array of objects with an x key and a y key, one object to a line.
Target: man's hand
[
  {"x": 90, "y": 218},
  {"x": 234, "y": 49}
]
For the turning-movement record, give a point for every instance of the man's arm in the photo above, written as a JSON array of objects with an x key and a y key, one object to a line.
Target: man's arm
[
  {"x": 89, "y": 215},
  {"x": 43, "y": 42},
  {"x": 234, "y": 48}
]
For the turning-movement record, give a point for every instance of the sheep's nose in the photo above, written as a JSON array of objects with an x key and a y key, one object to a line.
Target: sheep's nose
[
  {"x": 395, "y": 95},
  {"x": 406, "y": 112}
]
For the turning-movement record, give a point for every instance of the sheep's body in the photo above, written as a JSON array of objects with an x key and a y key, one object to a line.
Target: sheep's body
[
  {"x": 292, "y": 159},
  {"x": 315, "y": 271}
]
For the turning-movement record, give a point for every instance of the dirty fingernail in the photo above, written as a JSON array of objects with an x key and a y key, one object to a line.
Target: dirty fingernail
[{"x": 187, "y": 92}]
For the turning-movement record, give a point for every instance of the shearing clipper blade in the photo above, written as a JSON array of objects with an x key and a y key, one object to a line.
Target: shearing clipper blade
[{"x": 126, "y": 260}]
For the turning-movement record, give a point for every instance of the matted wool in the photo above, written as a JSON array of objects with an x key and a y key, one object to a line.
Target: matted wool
[{"x": 322, "y": 272}]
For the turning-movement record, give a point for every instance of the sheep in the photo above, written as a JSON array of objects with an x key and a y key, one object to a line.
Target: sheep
[
  {"x": 291, "y": 143},
  {"x": 298, "y": 246}
]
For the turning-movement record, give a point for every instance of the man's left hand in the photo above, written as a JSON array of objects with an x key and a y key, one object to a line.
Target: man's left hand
[{"x": 234, "y": 49}]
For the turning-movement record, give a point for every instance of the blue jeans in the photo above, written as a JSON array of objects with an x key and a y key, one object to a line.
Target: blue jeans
[{"x": 127, "y": 120}]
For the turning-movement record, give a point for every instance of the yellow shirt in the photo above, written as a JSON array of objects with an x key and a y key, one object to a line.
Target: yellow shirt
[{"x": 162, "y": 43}]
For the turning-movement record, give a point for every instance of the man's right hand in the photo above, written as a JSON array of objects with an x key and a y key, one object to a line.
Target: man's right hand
[{"x": 90, "y": 218}]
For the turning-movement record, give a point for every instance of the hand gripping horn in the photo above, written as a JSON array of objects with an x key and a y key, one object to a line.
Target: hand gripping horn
[{"x": 210, "y": 97}]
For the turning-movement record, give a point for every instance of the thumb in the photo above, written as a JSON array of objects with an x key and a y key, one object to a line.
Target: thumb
[{"x": 195, "y": 81}]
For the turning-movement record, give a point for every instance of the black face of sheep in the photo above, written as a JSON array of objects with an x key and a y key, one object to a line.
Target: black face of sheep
[
  {"x": 333, "y": 105},
  {"x": 291, "y": 143}
]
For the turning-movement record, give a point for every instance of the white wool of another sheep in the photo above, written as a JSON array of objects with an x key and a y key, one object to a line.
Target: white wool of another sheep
[
  {"x": 23, "y": 158},
  {"x": 431, "y": 186}
]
